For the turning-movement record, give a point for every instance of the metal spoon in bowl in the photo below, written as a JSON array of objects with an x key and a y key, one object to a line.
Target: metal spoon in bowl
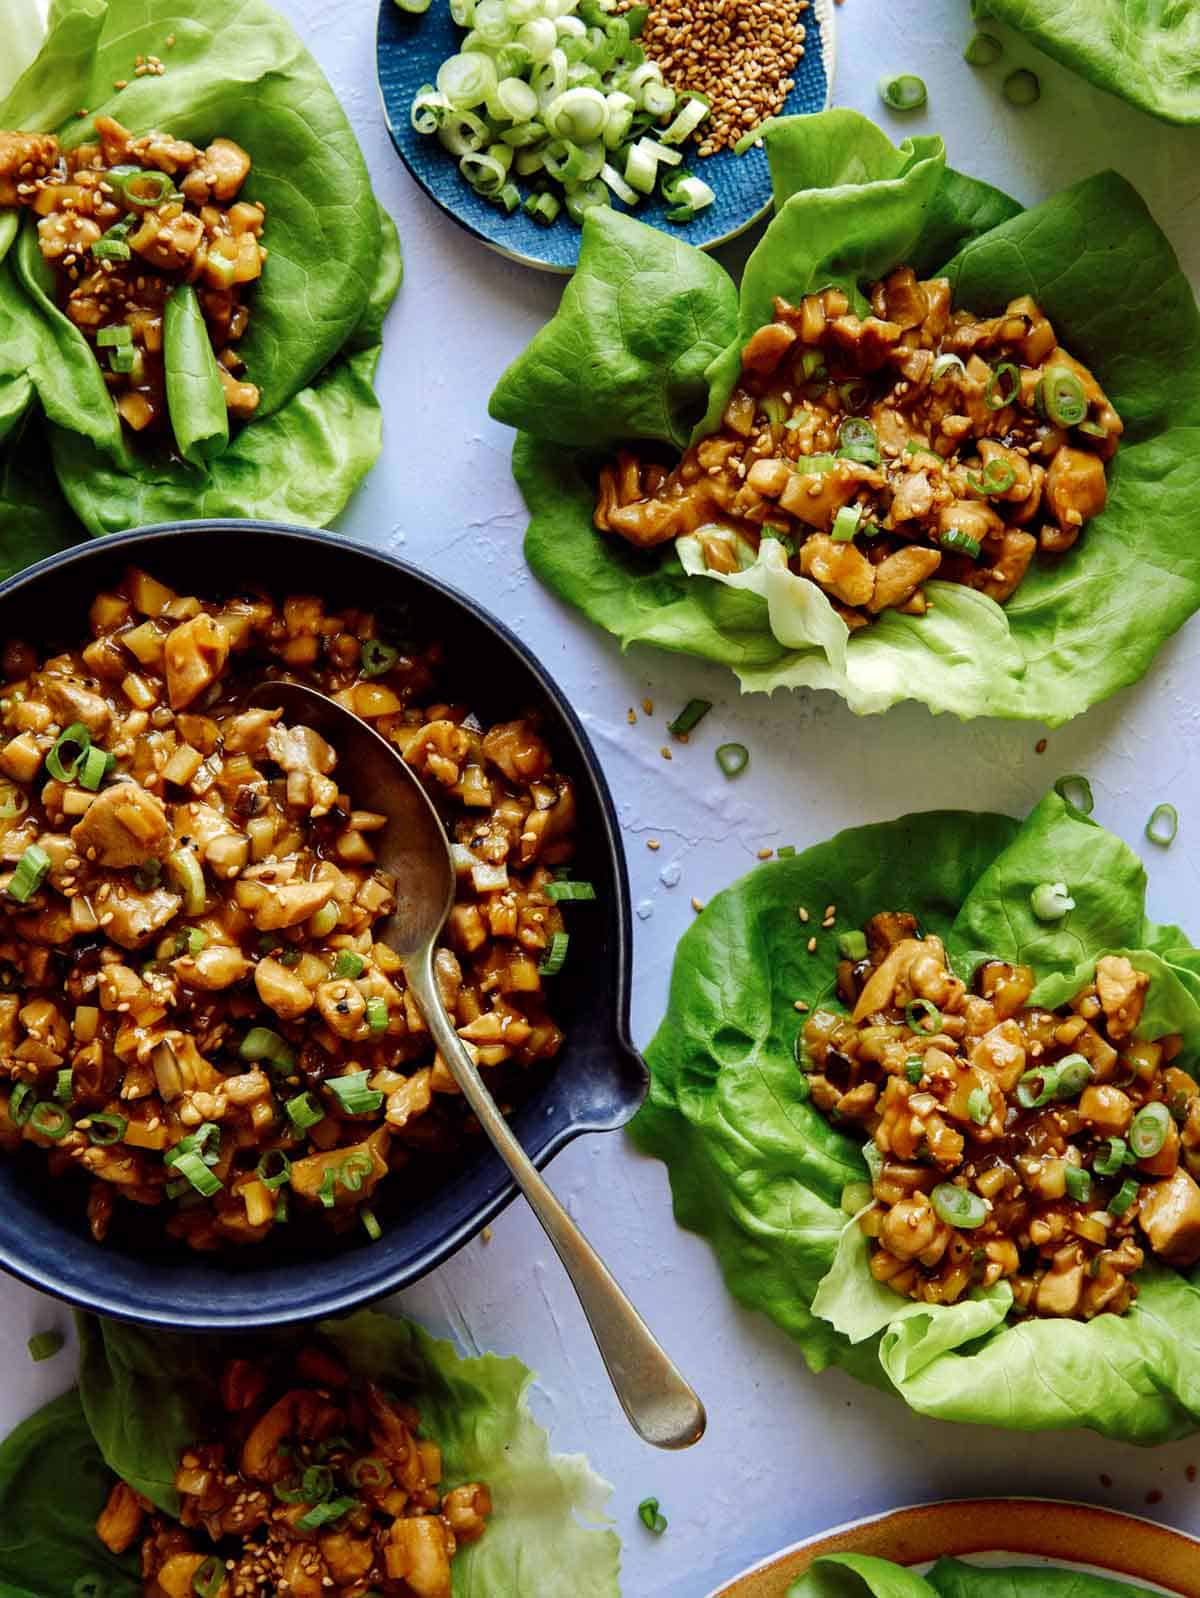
[{"x": 414, "y": 849}]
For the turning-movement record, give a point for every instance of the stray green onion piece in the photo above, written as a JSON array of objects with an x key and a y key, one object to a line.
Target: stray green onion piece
[
  {"x": 1051, "y": 901},
  {"x": 348, "y": 964},
  {"x": 303, "y": 1111},
  {"x": 44, "y": 1345},
  {"x": 207, "y": 1578},
  {"x": 690, "y": 717},
  {"x": 32, "y": 870},
  {"x": 733, "y": 759},
  {"x": 274, "y": 1169},
  {"x": 374, "y": 1231},
  {"x": 1074, "y": 1074},
  {"x": 566, "y": 889},
  {"x": 1003, "y": 386},
  {"x": 89, "y": 1585},
  {"x": 1060, "y": 397},
  {"x": 920, "y": 1011},
  {"x": 961, "y": 542},
  {"x": 983, "y": 50},
  {"x": 556, "y": 954},
  {"x": 377, "y": 1013},
  {"x": 1076, "y": 791},
  {"x": 958, "y": 1206},
  {"x": 1038, "y": 1087},
  {"x": 914, "y": 1068},
  {"x": 94, "y": 767},
  {"x": 69, "y": 749},
  {"x": 1022, "y": 87},
  {"x": 903, "y": 92},
  {"x": 105, "y": 1128},
  {"x": 979, "y": 1106},
  {"x": 192, "y": 1167},
  {"x": 377, "y": 657},
  {"x": 1149, "y": 1130},
  {"x": 1079, "y": 1184},
  {"x": 50, "y": 1120},
  {"x": 846, "y": 523},
  {"x": 651, "y": 1517},
  {"x": 1163, "y": 825},
  {"x": 852, "y": 945},
  {"x": 20, "y": 1105},
  {"x": 1112, "y": 1157},
  {"x": 415, "y": 7},
  {"x": 1123, "y": 1198},
  {"x": 353, "y": 1094},
  {"x": 261, "y": 1043}
]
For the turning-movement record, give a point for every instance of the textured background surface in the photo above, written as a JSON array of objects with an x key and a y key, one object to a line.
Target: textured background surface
[{"x": 787, "y": 1452}]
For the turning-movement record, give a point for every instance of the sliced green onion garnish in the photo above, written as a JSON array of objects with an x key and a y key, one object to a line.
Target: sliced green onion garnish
[
  {"x": 786, "y": 851},
  {"x": 348, "y": 964},
  {"x": 687, "y": 119},
  {"x": 377, "y": 1014},
  {"x": 858, "y": 441},
  {"x": 1076, "y": 790},
  {"x": 111, "y": 250},
  {"x": 32, "y": 870},
  {"x": 567, "y": 889},
  {"x": 1003, "y": 386},
  {"x": 63, "y": 1085},
  {"x": 198, "y": 1174},
  {"x": 1124, "y": 1197},
  {"x": 1149, "y": 1130},
  {"x": 1060, "y": 397},
  {"x": 274, "y": 1169},
  {"x": 141, "y": 189},
  {"x": 323, "y": 1514},
  {"x": 148, "y": 875},
  {"x": 187, "y": 878},
  {"x": 1114, "y": 1155},
  {"x": 651, "y": 1516},
  {"x": 556, "y": 954},
  {"x": 732, "y": 759},
  {"x": 1079, "y": 1185},
  {"x": 121, "y": 360},
  {"x": 94, "y": 767},
  {"x": 914, "y": 1068},
  {"x": 417, "y": 8},
  {"x": 204, "y": 1142},
  {"x": 1022, "y": 87},
  {"x": 979, "y": 1106},
  {"x": 190, "y": 940},
  {"x": 105, "y": 1127},
  {"x": 983, "y": 50},
  {"x": 852, "y": 945},
  {"x": 1163, "y": 825},
  {"x": 44, "y": 1345},
  {"x": 543, "y": 208},
  {"x": 997, "y": 478},
  {"x": 20, "y": 1105},
  {"x": 960, "y": 542},
  {"x": 207, "y": 1578},
  {"x": 303, "y": 1111},
  {"x": 1050, "y": 901},
  {"x": 354, "y": 1170},
  {"x": 920, "y": 1011},
  {"x": 281, "y": 1206},
  {"x": 353, "y": 1094},
  {"x": 261, "y": 1043},
  {"x": 376, "y": 657},
  {"x": 369, "y": 1472},
  {"x": 69, "y": 749},
  {"x": 1074, "y": 1074},
  {"x": 903, "y": 92},
  {"x": 429, "y": 109},
  {"x": 941, "y": 367},
  {"x": 1038, "y": 1087},
  {"x": 372, "y": 1228},
  {"x": 958, "y": 1206},
  {"x": 690, "y": 717},
  {"x": 855, "y": 394},
  {"x": 50, "y": 1120},
  {"x": 846, "y": 523}
]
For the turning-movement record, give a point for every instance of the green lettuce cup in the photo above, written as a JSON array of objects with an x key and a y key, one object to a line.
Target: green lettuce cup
[
  {"x": 865, "y": 1576},
  {"x": 645, "y": 348},
  {"x": 760, "y": 1172},
  {"x": 315, "y": 329},
  {"x": 144, "y": 1396}
]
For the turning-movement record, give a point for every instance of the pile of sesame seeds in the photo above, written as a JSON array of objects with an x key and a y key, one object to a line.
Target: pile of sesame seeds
[{"x": 739, "y": 53}]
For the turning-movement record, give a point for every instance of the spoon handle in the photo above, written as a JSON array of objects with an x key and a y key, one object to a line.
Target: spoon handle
[{"x": 661, "y": 1407}]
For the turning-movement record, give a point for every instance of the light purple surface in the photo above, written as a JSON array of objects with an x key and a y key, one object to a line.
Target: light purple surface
[{"x": 787, "y": 1453}]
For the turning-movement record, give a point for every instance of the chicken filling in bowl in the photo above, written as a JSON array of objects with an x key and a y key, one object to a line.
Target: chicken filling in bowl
[
  {"x": 122, "y": 222},
  {"x": 194, "y": 1012},
  {"x": 1008, "y": 1142},
  {"x": 316, "y": 1488},
  {"x": 885, "y": 449}
]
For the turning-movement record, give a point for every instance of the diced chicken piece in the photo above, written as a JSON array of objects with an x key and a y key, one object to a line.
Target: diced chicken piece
[
  {"x": 66, "y": 233},
  {"x": 168, "y": 244},
  {"x": 162, "y": 152},
  {"x": 247, "y": 733},
  {"x": 766, "y": 348},
  {"x": 869, "y": 340},
  {"x": 1076, "y": 489},
  {"x": 903, "y": 300},
  {"x": 215, "y": 967},
  {"x": 913, "y": 499},
  {"x": 226, "y": 167},
  {"x": 131, "y": 919},
  {"x": 343, "y": 1007},
  {"x": 880, "y": 988},
  {"x": 120, "y": 1521},
  {"x": 911, "y": 1228},
  {"x": 1059, "y": 1291},
  {"x": 300, "y": 749},
  {"x": 1122, "y": 992},
  {"x": 1170, "y": 1217},
  {"x": 24, "y": 158},
  {"x": 838, "y": 568},
  {"x": 517, "y": 750},
  {"x": 71, "y": 702},
  {"x": 410, "y": 1100},
  {"x": 816, "y": 497},
  {"x": 1000, "y": 580},
  {"x": 308, "y": 1174},
  {"x": 1106, "y": 1109},
  {"x": 241, "y": 397},
  {"x": 21, "y": 757},
  {"x": 281, "y": 990},
  {"x": 418, "y": 1553},
  {"x": 769, "y": 477},
  {"x": 194, "y": 653},
  {"x": 122, "y": 827},
  {"x": 287, "y": 904},
  {"x": 899, "y": 576}
]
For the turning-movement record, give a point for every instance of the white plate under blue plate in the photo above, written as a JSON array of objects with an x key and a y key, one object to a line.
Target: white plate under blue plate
[{"x": 409, "y": 51}]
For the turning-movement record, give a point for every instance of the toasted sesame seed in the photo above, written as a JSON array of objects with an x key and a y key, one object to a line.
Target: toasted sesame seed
[
  {"x": 812, "y": 945},
  {"x": 802, "y": 913},
  {"x": 648, "y": 706},
  {"x": 665, "y": 752},
  {"x": 631, "y": 716},
  {"x": 697, "y": 904},
  {"x": 653, "y": 843},
  {"x": 800, "y": 1005},
  {"x": 765, "y": 854}
]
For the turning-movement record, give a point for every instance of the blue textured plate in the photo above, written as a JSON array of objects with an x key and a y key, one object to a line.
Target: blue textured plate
[{"x": 409, "y": 51}]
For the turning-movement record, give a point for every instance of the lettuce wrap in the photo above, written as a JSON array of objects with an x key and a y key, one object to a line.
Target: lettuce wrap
[
  {"x": 760, "y": 1172},
  {"x": 646, "y": 346},
  {"x": 864, "y": 1576},
  {"x": 1147, "y": 53},
  {"x": 143, "y": 1397},
  {"x": 313, "y": 342}
]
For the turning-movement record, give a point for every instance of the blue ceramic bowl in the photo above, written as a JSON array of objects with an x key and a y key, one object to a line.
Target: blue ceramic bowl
[
  {"x": 410, "y": 49},
  {"x": 599, "y": 1080}
]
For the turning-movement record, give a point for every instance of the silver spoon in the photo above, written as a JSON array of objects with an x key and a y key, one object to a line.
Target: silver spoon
[{"x": 414, "y": 849}]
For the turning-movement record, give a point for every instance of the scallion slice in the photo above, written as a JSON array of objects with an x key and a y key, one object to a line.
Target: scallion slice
[
  {"x": 846, "y": 524},
  {"x": 323, "y": 1514},
  {"x": 303, "y": 1111},
  {"x": 983, "y": 50},
  {"x": 32, "y": 870},
  {"x": 858, "y": 441},
  {"x": 44, "y": 1345},
  {"x": 979, "y": 1106},
  {"x": 1163, "y": 825},
  {"x": 651, "y": 1516},
  {"x": 566, "y": 889},
  {"x": 1123, "y": 1197},
  {"x": 961, "y": 542},
  {"x": 1060, "y": 397},
  {"x": 348, "y": 964},
  {"x": 274, "y": 1169},
  {"x": 1149, "y": 1130},
  {"x": 1022, "y": 87},
  {"x": 193, "y": 1168},
  {"x": 914, "y": 1068},
  {"x": 556, "y": 954},
  {"x": 105, "y": 1127},
  {"x": 1003, "y": 386},
  {"x": 918, "y": 1012},
  {"x": 687, "y": 119},
  {"x": 376, "y": 657},
  {"x": 1079, "y": 1184},
  {"x": 958, "y": 1206},
  {"x": 732, "y": 759},
  {"x": 94, "y": 767},
  {"x": 353, "y": 1094},
  {"x": 377, "y": 1013},
  {"x": 997, "y": 478},
  {"x": 1074, "y": 1074},
  {"x": 903, "y": 91},
  {"x": 50, "y": 1120},
  {"x": 1076, "y": 791},
  {"x": 70, "y": 746},
  {"x": 1112, "y": 1157},
  {"x": 374, "y": 1231},
  {"x": 208, "y": 1577},
  {"x": 261, "y": 1043},
  {"x": 21, "y": 1103},
  {"x": 690, "y": 717},
  {"x": 429, "y": 109},
  {"x": 63, "y": 1085},
  {"x": 942, "y": 367},
  {"x": 852, "y": 945},
  {"x": 1038, "y": 1087}
]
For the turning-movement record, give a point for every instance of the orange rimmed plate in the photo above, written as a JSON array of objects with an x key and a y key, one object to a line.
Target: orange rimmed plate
[{"x": 1023, "y": 1529}]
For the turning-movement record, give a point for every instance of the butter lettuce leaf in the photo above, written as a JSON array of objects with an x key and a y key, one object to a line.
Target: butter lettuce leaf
[
  {"x": 849, "y": 206},
  {"x": 760, "y": 1172},
  {"x": 865, "y": 1576}
]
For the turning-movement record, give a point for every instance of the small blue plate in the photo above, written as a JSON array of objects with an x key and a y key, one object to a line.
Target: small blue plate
[{"x": 409, "y": 51}]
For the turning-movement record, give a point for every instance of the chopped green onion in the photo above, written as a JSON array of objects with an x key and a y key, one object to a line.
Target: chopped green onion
[
  {"x": 618, "y": 185},
  {"x": 207, "y": 1578},
  {"x": 281, "y": 1206},
  {"x": 63, "y": 1086},
  {"x": 1038, "y": 1087},
  {"x": 323, "y": 1514},
  {"x": 20, "y": 1105},
  {"x": 148, "y": 875},
  {"x": 1022, "y": 87},
  {"x": 416, "y": 8},
  {"x": 918, "y": 1012},
  {"x": 903, "y": 92},
  {"x": 143, "y": 190},
  {"x": 205, "y": 1142},
  {"x": 107, "y": 249},
  {"x": 121, "y": 360},
  {"x": 69, "y": 749},
  {"x": 958, "y": 1206},
  {"x": 348, "y": 964},
  {"x": 1003, "y": 386},
  {"x": 50, "y": 1120},
  {"x": 1060, "y": 397},
  {"x": 370, "y": 1222},
  {"x": 353, "y": 1094},
  {"x": 1123, "y": 1198},
  {"x": 961, "y": 542},
  {"x": 732, "y": 759},
  {"x": 261, "y": 1043},
  {"x": 997, "y": 478},
  {"x": 941, "y": 367},
  {"x": 858, "y": 441},
  {"x": 855, "y": 394},
  {"x": 1149, "y": 1130},
  {"x": 369, "y": 1472},
  {"x": 558, "y": 891},
  {"x": 690, "y": 717},
  {"x": 1163, "y": 825},
  {"x": 852, "y": 945},
  {"x": 376, "y": 657},
  {"x": 1076, "y": 791},
  {"x": 983, "y": 50},
  {"x": 846, "y": 523},
  {"x": 979, "y": 1106},
  {"x": 32, "y": 869},
  {"x": 377, "y": 1014},
  {"x": 786, "y": 851},
  {"x": 44, "y": 1345},
  {"x": 651, "y": 1517},
  {"x": 1114, "y": 1156},
  {"x": 1074, "y": 1074},
  {"x": 1050, "y": 901},
  {"x": 94, "y": 767},
  {"x": 354, "y": 1169},
  {"x": 105, "y": 1128},
  {"x": 914, "y": 1068},
  {"x": 197, "y": 1173},
  {"x": 555, "y": 956},
  {"x": 429, "y": 109},
  {"x": 303, "y": 1111},
  {"x": 274, "y": 1169},
  {"x": 689, "y": 117},
  {"x": 187, "y": 878},
  {"x": 190, "y": 940},
  {"x": 1079, "y": 1185}
]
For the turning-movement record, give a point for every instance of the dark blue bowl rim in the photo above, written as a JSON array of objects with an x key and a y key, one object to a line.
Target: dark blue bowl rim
[{"x": 340, "y": 1301}]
